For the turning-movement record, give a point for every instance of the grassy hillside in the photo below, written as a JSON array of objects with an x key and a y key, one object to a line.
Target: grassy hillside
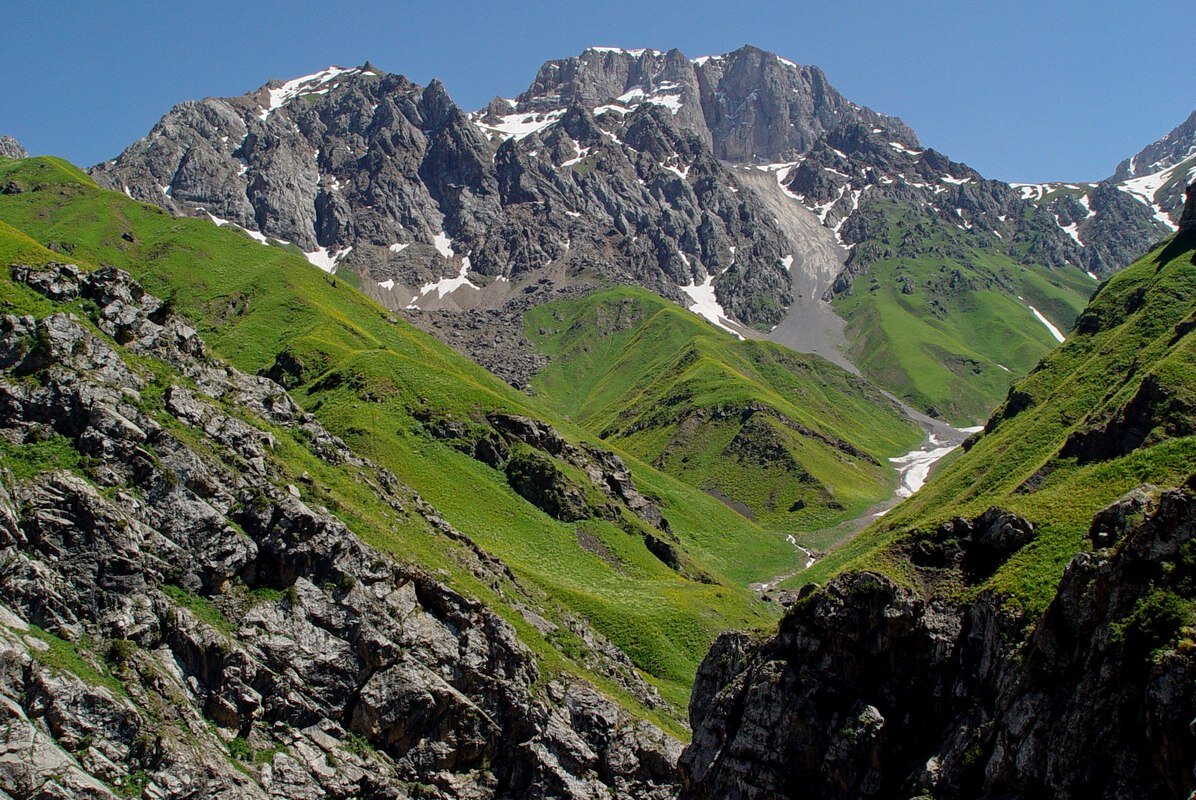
[
  {"x": 1112, "y": 408},
  {"x": 945, "y": 324},
  {"x": 387, "y": 388},
  {"x": 793, "y": 441}
]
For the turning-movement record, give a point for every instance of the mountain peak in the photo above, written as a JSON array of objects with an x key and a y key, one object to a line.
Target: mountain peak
[
  {"x": 11, "y": 148},
  {"x": 753, "y": 106},
  {"x": 283, "y": 92}
]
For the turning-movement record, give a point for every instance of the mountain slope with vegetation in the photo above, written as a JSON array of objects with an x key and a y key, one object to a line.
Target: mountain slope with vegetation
[
  {"x": 794, "y": 441},
  {"x": 612, "y": 562},
  {"x": 1023, "y": 626},
  {"x": 1110, "y": 409}
]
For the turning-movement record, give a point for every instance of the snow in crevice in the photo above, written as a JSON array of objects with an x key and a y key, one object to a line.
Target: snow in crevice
[
  {"x": 900, "y": 148},
  {"x": 520, "y": 126},
  {"x": 398, "y": 247},
  {"x": 665, "y": 94},
  {"x": 825, "y": 209},
  {"x": 387, "y": 284},
  {"x": 317, "y": 83},
  {"x": 1087, "y": 204},
  {"x": 443, "y": 244},
  {"x": 1072, "y": 230},
  {"x": 449, "y": 285},
  {"x": 705, "y": 304},
  {"x": 581, "y": 153},
  {"x": 681, "y": 172},
  {"x": 325, "y": 260},
  {"x": 1059, "y": 337}
]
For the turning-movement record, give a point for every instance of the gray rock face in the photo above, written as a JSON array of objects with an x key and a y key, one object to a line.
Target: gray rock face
[
  {"x": 203, "y": 631},
  {"x": 869, "y": 691},
  {"x": 370, "y": 172},
  {"x": 1171, "y": 160},
  {"x": 751, "y": 106},
  {"x": 11, "y": 148}
]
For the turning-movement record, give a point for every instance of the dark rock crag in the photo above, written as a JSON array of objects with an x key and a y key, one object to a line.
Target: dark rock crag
[
  {"x": 870, "y": 690},
  {"x": 1187, "y": 220}
]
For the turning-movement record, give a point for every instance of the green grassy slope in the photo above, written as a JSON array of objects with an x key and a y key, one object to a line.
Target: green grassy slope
[
  {"x": 944, "y": 324},
  {"x": 374, "y": 381},
  {"x": 792, "y": 440},
  {"x": 1111, "y": 409}
]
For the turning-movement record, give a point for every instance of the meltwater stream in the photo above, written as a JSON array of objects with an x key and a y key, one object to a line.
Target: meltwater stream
[{"x": 913, "y": 469}]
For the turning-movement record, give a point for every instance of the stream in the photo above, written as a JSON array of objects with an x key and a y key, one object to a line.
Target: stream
[{"x": 913, "y": 469}]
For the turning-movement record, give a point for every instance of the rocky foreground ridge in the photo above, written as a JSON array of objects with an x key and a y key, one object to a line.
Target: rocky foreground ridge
[
  {"x": 871, "y": 690},
  {"x": 177, "y": 621}
]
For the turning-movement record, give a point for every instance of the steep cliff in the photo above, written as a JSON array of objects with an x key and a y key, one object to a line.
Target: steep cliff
[{"x": 869, "y": 690}]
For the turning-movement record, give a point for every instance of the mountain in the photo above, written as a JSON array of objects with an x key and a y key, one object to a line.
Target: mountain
[
  {"x": 792, "y": 442},
  {"x": 749, "y": 106},
  {"x": 1116, "y": 219},
  {"x": 11, "y": 148},
  {"x": 744, "y": 176},
  {"x": 367, "y": 171},
  {"x": 1022, "y": 627}
]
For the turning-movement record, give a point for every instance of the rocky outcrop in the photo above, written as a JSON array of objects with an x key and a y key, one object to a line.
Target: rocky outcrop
[
  {"x": 750, "y": 105},
  {"x": 1187, "y": 220},
  {"x": 11, "y": 148},
  {"x": 181, "y": 618},
  {"x": 870, "y": 690}
]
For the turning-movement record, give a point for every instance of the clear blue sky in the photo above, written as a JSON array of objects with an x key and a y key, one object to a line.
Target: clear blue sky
[{"x": 1023, "y": 91}]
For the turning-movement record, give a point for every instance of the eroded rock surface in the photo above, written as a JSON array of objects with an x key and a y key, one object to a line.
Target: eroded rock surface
[
  {"x": 179, "y": 620},
  {"x": 870, "y": 690}
]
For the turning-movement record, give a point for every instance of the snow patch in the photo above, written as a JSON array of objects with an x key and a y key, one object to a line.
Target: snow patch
[
  {"x": 316, "y": 83},
  {"x": 449, "y": 285},
  {"x": 900, "y": 148},
  {"x": 1072, "y": 230},
  {"x": 443, "y": 244},
  {"x": 325, "y": 260},
  {"x": 705, "y": 304},
  {"x": 1038, "y": 315},
  {"x": 636, "y": 53},
  {"x": 520, "y": 126}
]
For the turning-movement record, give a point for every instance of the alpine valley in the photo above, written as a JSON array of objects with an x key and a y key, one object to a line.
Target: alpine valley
[{"x": 358, "y": 445}]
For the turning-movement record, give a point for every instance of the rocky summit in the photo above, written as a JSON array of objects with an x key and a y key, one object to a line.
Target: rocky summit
[{"x": 11, "y": 148}]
